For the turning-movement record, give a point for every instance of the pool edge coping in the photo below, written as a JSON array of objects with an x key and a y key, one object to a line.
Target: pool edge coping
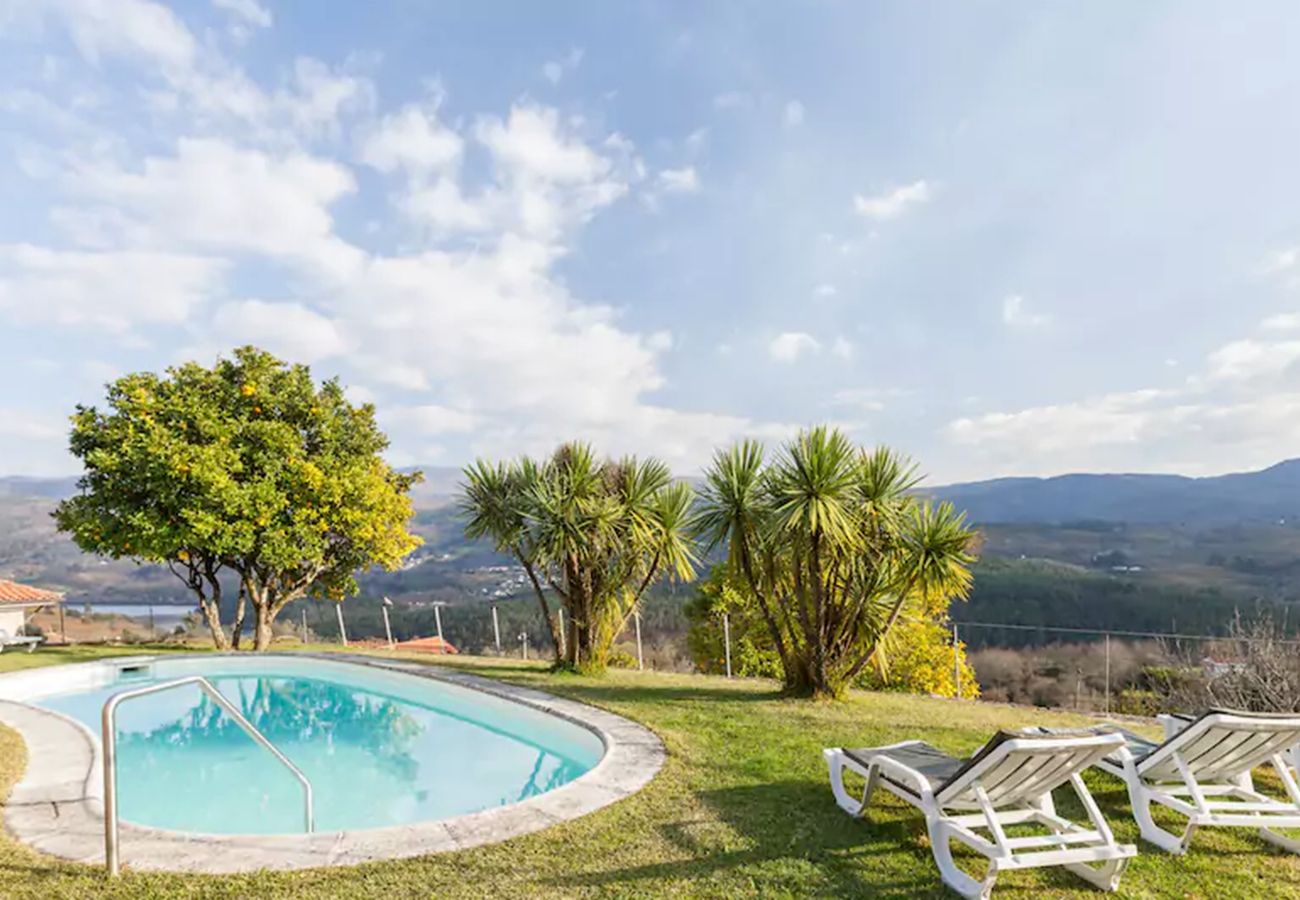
[{"x": 56, "y": 807}]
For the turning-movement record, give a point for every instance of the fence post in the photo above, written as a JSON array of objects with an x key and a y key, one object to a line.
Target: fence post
[
  {"x": 496, "y": 627},
  {"x": 1108, "y": 673},
  {"x": 563, "y": 637},
  {"x": 640, "y": 660},
  {"x": 523, "y": 636},
  {"x": 388, "y": 627},
  {"x": 304, "y": 623},
  {"x": 343, "y": 632},
  {"x": 726, "y": 640},
  {"x": 956, "y": 664}
]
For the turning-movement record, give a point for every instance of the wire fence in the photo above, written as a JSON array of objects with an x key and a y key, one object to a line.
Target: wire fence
[
  {"x": 1128, "y": 671},
  {"x": 1110, "y": 670}
]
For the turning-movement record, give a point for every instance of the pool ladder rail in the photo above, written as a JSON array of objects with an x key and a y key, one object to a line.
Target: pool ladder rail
[{"x": 108, "y": 719}]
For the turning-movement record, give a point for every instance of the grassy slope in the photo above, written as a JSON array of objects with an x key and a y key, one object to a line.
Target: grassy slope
[{"x": 741, "y": 808}]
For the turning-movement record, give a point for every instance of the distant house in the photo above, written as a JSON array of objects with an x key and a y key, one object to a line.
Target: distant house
[
  {"x": 17, "y": 602},
  {"x": 1217, "y": 668}
]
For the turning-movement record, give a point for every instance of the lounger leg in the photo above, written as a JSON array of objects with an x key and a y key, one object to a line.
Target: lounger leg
[
  {"x": 1153, "y": 833},
  {"x": 1105, "y": 876},
  {"x": 1280, "y": 840},
  {"x": 952, "y": 876},
  {"x": 852, "y": 806}
]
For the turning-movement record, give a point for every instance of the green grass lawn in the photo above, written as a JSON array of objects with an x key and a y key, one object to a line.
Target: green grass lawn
[{"x": 742, "y": 808}]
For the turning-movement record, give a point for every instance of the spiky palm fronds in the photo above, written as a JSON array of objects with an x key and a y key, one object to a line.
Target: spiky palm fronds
[
  {"x": 597, "y": 532},
  {"x": 834, "y": 547}
]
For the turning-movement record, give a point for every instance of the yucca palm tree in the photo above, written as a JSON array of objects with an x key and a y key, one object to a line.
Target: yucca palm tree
[
  {"x": 595, "y": 533},
  {"x": 834, "y": 547}
]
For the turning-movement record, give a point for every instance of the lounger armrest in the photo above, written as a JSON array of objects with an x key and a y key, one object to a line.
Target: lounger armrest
[
  {"x": 1172, "y": 723},
  {"x": 904, "y": 773}
]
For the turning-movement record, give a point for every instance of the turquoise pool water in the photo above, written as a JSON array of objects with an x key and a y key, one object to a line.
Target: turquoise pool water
[{"x": 380, "y": 749}]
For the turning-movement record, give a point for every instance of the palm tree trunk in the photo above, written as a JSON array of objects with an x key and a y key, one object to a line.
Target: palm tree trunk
[{"x": 551, "y": 625}]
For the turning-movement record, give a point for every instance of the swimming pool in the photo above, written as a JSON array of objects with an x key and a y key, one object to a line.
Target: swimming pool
[{"x": 380, "y": 747}]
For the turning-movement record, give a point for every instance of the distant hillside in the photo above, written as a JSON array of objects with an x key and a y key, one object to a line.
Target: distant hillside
[
  {"x": 51, "y": 488},
  {"x": 1154, "y": 550},
  {"x": 1271, "y": 495}
]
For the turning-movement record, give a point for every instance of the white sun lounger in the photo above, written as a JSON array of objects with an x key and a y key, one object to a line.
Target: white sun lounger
[
  {"x": 1176, "y": 722},
  {"x": 18, "y": 640},
  {"x": 1008, "y": 782},
  {"x": 1202, "y": 771}
]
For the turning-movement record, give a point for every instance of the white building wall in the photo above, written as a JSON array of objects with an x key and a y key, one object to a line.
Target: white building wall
[{"x": 11, "y": 620}]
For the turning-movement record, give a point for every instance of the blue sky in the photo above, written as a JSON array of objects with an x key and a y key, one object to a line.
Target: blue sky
[{"x": 1009, "y": 238}]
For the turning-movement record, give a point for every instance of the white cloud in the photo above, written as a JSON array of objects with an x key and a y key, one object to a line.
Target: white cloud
[
  {"x": 1015, "y": 315},
  {"x": 842, "y": 347},
  {"x": 1282, "y": 322},
  {"x": 467, "y": 302},
  {"x": 215, "y": 195},
  {"x": 1282, "y": 260},
  {"x": 414, "y": 141},
  {"x": 866, "y": 399},
  {"x": 23, "y": 425},
  {"x": 443, "y": 209},
  {"x": 555, "y": 69},
  {"x": 183, "y": 76},
  {"x": 679, "y": 181},
  {"x": 1250, "y": 360},
  {"x": 318, "y": 97},
  {"x": 1109, "y": 419},
  {"x": 788, "y": 346},
  {"x": 290, "y": 330},
  {"x": 531, "y": 144},
  {"x": 893, "y": 203},
  {"x": 792, "y": 115},
  {"x": 433, "y": 419},
  {"x": 1241, "y": 408},
  {"x": 114, "y": 291},
  {"x": 249, "y": 12},
  {"x": 548, "y": 178},
  {"x": 825, "y": 290},
  {"x": 129, "y": 29}
]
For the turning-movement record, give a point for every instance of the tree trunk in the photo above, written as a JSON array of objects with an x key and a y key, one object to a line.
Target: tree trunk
[
  {"x": 262, "y": 635},
  {"x": 212, "y": 615},
  {"x": 212, "y": 605},
  {"x": 237, "y": 631},
  {"x": 551, "y": 624}
]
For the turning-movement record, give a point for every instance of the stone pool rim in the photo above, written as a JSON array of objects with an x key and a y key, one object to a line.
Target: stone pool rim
[{"x": 56, "y": 807}]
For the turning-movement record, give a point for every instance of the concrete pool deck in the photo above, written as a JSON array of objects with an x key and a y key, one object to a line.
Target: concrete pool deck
[{"x": 57, "y": 806}]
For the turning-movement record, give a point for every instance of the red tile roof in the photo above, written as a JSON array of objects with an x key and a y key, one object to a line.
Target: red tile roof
[{"x": 11, "y": 592}]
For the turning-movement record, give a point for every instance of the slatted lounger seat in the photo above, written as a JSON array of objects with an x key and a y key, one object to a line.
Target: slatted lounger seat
[
  {"x": 1009, "y": 781},
  {"x": 1202, "y": 771}
]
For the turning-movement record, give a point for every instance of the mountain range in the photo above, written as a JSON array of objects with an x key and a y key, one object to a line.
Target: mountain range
[
  {"x": 1129, "y": 550},
  {"x": 1266, "y": 496},
  {"x": 1269, "y": 495}
]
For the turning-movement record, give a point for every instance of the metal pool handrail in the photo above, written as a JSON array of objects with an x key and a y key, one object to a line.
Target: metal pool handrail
[{"x": 108, "y": 718}]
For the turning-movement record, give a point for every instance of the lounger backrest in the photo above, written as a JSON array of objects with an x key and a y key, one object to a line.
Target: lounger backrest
[
  {"x": 1222, "y": 744},
  {"x": 1014, "y": 767}
]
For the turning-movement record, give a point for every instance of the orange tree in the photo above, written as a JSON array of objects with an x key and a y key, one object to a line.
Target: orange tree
[{"x": 247, "y": 473}]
